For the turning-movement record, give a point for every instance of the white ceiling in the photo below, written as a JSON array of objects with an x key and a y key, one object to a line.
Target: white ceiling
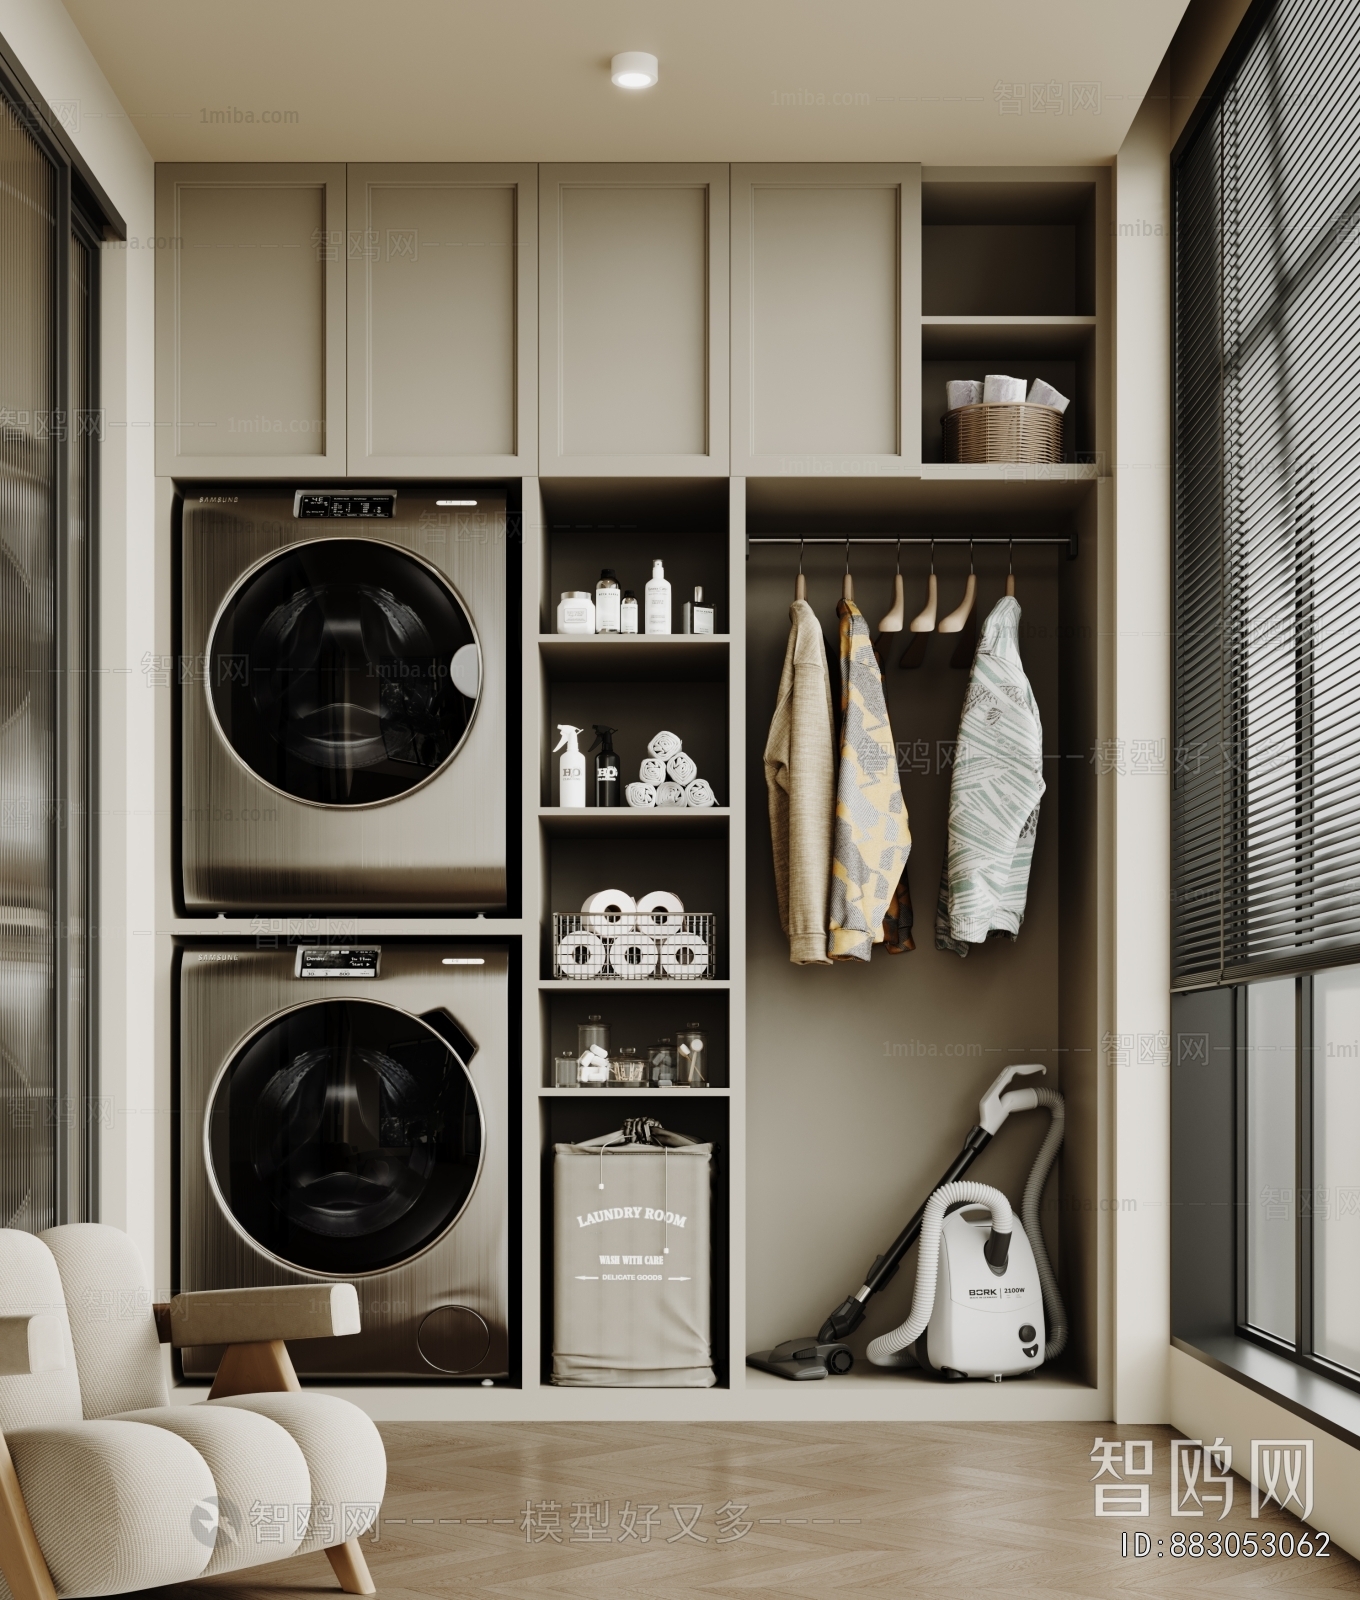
[{"x": 527, "y": 80}]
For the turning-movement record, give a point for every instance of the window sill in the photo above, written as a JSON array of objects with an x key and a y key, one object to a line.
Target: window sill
[{"x": 1330, "y": 1406}]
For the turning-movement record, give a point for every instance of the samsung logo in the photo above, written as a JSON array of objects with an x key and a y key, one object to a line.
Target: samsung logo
[{"x": 218, "y": 958}]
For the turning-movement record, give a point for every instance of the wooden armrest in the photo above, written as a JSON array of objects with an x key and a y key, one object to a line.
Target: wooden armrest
[
  {"x": 257, "y": 1316},
  {"x": 30, "y": 1345},
  {"x": 160, "y": 1310}
]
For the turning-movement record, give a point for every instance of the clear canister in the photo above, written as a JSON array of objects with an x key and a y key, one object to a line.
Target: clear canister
[{"x": 691, "y": 1056}]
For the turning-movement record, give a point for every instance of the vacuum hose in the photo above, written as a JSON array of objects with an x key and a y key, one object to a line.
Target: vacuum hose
[
  {"x": 1055, "y": 1313},
  {"x": 884, "y": 1350},
  {"x": 887, "y": 1345}
]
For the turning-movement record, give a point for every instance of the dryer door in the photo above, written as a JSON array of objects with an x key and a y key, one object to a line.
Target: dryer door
[
  {"x": 344, "y": 671},
  {"x": 345, "y": 1136}
]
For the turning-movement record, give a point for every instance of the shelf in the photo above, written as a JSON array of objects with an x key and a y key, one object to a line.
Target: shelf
[
  {"x": 946, "y": 338},
  {"x": 635, "y": 983},
  {"x": 681, "y": 657},
  {"x": 625, "y": 822},
  {"x": 674, "y": 1092}
]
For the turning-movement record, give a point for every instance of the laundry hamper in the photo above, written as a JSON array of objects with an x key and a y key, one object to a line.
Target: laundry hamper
[{"x": 632, "y": 1261}]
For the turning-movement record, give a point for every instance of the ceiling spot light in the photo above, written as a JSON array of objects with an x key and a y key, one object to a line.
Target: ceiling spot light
[{"x": 633, "y": 69}]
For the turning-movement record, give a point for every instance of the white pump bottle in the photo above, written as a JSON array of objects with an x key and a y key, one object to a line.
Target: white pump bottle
[{"x": 571, "y": 769}]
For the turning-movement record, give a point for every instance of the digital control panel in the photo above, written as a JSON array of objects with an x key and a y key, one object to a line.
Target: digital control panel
[
  {"x": 311, "y": 505},
  {"x": 337, "y": 961}
]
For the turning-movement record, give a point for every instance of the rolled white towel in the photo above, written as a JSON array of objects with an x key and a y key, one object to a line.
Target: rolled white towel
[
  {"x": 1044, "y": 394},
  {"x": 998, "y": 389},
  {"x": 664, "y": 746},
  {"x": 963, "y": 392},
  {"x": 681, "y": 768},
  {"x": 699, "y": 794},
  {"x": 669, "y": 795},
  {"x": 641, "y": 796},
  {"x": 652, "y": 771}
]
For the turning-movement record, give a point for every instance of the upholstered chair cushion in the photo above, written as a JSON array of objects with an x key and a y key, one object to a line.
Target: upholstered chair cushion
[
  {"x": 113, "y": 1504},
  {"x": 30, "y": 1284},
  {"x": 108, "y": 1303},
  {"x": 346, "y": 1462},
  {"x": 262, "y": 1491}
]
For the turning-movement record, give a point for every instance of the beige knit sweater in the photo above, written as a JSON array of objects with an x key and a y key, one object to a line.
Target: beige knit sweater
[{"x": 800, "y": 772}]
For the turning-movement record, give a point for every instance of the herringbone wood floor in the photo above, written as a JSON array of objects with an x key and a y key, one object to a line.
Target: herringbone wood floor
[{"x": 930, "y": 1511}]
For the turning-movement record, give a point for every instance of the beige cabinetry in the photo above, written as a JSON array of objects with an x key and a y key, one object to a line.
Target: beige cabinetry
[
  {"x": 633, "y": 305},
  {"x": 825, "y": 319},
  {"x": 250, "y": 327},
  {"x": 442, "y": 319}
]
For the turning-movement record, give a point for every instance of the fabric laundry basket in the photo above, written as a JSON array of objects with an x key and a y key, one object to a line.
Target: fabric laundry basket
[{"x": 632, "y": 1260}]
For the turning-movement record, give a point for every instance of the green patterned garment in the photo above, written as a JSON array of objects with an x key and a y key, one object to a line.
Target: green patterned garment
[
  {"x": 871, "y": 840},
  {"x": 994, "y": 802}
]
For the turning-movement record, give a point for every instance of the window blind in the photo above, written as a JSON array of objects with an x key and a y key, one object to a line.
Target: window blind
[{"x": 1266, "y": 794}]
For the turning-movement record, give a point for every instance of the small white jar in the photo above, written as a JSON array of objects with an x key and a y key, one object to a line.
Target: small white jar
[{"x": 576, "y": 612}]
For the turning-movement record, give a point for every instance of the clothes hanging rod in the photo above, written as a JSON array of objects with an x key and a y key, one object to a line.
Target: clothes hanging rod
[{"x": 1070, "y": 540}]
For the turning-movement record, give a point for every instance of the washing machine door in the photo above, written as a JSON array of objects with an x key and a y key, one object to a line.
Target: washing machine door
[
  {"x": 344, "y": 672},
  {"x": 345, "y": 1136}
]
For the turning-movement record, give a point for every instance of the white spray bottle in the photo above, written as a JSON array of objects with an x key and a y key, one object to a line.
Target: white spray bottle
[{"x": 571, "y": 769}]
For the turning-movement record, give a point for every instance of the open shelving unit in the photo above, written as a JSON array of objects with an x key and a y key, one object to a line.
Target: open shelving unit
[{"x": 830, "y": 1115}]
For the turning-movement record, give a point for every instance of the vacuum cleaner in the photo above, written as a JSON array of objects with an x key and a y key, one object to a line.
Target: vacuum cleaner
[{"x": 986, "y": 1303}]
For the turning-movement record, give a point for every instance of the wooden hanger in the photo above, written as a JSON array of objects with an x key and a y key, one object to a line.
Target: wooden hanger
[
  {"x": 963, "y": 619},
  {"x": 958, "y": 617},
  {"x": 847, "y": 582},
  {"x": 800, "y": 582},
  {"x": 892, "y": 621},
  {"x": 922, "y": 625},
  {"x": 1010, "y": 567}
]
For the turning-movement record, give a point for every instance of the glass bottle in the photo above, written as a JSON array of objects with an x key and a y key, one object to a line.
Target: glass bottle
[
  {"x": 607, "y": 602},
  {"x": 628, "y": 612},
  {"x": 594, "y": 1030},
  {"x": 661, "y": 1064},
  {"x": 691, "y": 1053},
  {"x": 627, "y": 1069},
  {"x": 564, "y": 1070}
]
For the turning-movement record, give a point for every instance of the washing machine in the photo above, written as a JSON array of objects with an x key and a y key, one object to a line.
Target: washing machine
[
  {"x": 343, "y": 1113},
  {"x": 342, "y": 692}
]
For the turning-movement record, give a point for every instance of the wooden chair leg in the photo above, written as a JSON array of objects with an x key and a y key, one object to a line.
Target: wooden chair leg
[
  {"x": 347, "y": 1561},
  {"x": 263, "y": 1368},
  {"x": 21, "y": 1558}
]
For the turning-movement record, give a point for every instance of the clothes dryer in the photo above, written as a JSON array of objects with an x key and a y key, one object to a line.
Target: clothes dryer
[
  {"x": 343, "y": 701},
  {"x": 344, "y": 1115}
]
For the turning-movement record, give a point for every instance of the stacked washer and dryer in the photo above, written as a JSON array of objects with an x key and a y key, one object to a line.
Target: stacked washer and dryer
[{"x": 344, "y": 1102}]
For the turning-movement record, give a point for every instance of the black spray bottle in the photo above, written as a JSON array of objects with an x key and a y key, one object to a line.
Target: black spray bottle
[{"x": 608, "y": 789}]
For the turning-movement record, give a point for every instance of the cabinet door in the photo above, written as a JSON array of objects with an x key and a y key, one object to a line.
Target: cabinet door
[
  {"x": 633, "y": 295},
  {"x": 250, "y": 319},
  {"x": 442, "y": 319},
  {"x": 826, "y": 317}
]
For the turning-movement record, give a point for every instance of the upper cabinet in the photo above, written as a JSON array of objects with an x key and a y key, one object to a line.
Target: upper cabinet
[
  {"x": 826, "y": 319},
  {"x": 250, "y": 325},
  {"x": 633, "y": 275},
  {"x": 443, "y": 369}
]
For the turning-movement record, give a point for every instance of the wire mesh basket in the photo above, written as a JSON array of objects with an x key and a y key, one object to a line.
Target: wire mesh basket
[
  {"x": 1014, "y": 431},
  {"x": 674, "y": 947}
]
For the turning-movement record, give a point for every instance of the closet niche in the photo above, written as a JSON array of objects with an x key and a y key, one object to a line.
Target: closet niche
[{"x": 862, "y": 1078}]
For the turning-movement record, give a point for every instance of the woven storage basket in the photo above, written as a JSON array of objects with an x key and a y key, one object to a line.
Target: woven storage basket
[{"x": 1017, "y": 431}]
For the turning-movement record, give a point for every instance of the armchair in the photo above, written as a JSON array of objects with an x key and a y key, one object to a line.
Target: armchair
[{"x": 105, "y": 1487}]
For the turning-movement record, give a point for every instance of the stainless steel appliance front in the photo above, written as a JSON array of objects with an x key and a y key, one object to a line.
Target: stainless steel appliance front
[
  {"x": 352, "y": 1127},
  {"x": 343, "y": 693}
]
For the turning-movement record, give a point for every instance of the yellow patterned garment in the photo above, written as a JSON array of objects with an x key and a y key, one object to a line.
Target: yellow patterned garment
[{"x": 872, "y": 840}]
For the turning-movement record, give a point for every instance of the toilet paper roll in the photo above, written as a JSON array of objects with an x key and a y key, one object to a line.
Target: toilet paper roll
[
  {"x": 664, "y": 746},
  {"x": 669, "y": 794},
  {"x": 1044, "y": 394},
  {"x": 580, "y": 955},
  {"x": 699, "y": 794},
  {"x": 681, "y": 769},
  {"x": 998, "y": 388},
  {"x": 641, "y": 796},
  {"x": 963, "y": 392},
  {"x": 661, "y": 910},
  {"x": 652, "y": 771},
  {"x": 684, "y": 955},
  {"x": 633, "y": 955},
  {"x": 611, "y": 910}
]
